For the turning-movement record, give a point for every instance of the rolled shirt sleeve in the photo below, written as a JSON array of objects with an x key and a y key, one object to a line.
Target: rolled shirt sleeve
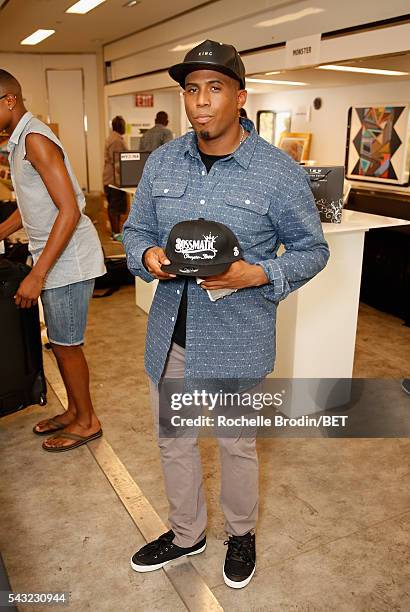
[{"x": 299, "y": 230}]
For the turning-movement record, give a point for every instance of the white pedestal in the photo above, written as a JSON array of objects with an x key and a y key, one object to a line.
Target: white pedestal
[{"x": 144, "y": 293}]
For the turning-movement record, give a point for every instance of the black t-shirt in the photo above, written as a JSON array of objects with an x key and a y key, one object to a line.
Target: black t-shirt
[{"x": 179, "y": 336}]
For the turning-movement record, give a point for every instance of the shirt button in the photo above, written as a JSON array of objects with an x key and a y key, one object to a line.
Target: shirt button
[
  {"x": 166, "y": 190},
  {"x": 247, "y": 201},
  {"x": 203, "y": 172},
  {"x": 172, "y": 318},
  {"x": 178, "y": 291},
  {"x": 202, "y": 201}
]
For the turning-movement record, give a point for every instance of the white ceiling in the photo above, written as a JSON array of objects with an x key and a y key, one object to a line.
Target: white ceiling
[
  {"x": 326, "y": 78},
  {"x": 317, "y": 79},
  {"x": 80, "y": 33},
  {"x": 217, "y": 19}
]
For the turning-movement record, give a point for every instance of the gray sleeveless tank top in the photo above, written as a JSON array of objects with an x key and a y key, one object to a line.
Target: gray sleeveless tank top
[{"x": 82, "y": 258}]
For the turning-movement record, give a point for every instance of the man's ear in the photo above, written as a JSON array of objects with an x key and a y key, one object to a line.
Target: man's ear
[
  {"x": 11, "y": 101},
  {"x": 242, "y": 97}
]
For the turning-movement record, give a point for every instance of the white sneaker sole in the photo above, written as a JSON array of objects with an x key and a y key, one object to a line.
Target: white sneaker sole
[
  {"x": 237, "y": 585},
  {"x": 152, "y": 568}
]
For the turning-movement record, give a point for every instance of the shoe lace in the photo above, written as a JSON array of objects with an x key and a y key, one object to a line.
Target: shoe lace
[
  {"x": 158, "y": 546},
  {"x": 239, "y": 550}
]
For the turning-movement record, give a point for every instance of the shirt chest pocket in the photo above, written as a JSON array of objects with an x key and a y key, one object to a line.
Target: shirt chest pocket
[
  {"x": 168, "y": 189},
  {"x": 248, "y": 203}
]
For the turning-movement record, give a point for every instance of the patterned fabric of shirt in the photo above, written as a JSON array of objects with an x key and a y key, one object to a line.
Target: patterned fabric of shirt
[
  {"x": 266, "y": 200},
  {"x": 155, "y": 137}
]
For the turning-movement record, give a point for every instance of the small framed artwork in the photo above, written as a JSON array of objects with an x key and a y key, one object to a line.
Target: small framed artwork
[
  {"x": 378, "y": 143},
  {"x": 296, "y": 144}
]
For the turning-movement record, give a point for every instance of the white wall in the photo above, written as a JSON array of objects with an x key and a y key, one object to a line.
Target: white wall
[
  {"x": 168, "y": 101},
  {"x": 30, "y": 70},
  {"x": 329, "y": 124}
]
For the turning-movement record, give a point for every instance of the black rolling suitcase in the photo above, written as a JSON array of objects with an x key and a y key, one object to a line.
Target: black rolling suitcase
[{"x": 22, "y": 380}]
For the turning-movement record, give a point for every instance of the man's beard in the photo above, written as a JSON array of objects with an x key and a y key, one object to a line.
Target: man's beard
[{"x": 204, "y": 134}]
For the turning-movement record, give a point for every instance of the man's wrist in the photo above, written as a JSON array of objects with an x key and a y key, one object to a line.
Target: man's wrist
[
  {"x": 38, "y": 273},
  {"x": 260, "y": 277},
  {"x": 143, "y": 256}
]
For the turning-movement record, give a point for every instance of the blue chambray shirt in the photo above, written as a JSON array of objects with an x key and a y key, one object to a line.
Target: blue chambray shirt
[{"x": 266, "y": 200}]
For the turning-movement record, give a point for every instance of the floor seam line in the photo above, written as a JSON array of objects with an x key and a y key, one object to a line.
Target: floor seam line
[{"x": 210, "y": 603}]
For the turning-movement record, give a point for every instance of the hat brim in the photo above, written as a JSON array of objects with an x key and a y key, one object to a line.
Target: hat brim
[
  {"x": 179, "y": 72},
  {"x": 181, "y": 269}
]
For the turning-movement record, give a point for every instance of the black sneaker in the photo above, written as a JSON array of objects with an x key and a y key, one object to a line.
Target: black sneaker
[
  {"x": 158, "y": 553},
  {"x": 405, "y": 385},
  {"x": 240, "y": 560}
]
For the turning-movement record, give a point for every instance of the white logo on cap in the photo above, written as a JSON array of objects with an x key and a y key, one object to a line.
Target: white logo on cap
[
  {"x": 188, "y": 270},
  {"x": 197, "y": 249},
  {"x": 236, "y": 251},
  {"x": 205, "y": 53}
]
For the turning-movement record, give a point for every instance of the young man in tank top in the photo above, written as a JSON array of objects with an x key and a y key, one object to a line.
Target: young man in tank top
[{"x": 67, "y": 257}]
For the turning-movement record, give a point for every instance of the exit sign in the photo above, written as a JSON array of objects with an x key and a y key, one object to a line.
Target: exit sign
[{"x": 145, "y": 100}]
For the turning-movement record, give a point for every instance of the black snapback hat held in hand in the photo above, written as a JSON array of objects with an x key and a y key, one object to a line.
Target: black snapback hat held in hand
[{"x": 201, "y": 248}]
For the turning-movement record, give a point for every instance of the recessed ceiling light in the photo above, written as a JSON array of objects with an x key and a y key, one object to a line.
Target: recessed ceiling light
[
  {"x": 289, "y": 17},
  {"x": 84, "y": 6},
  {"x": 362, "y": 70},
  {"x": 273, "y": 72},
  {"x": 187, "y": 46},
  {"x": 131, "y": 3},
  {"x": 272, "y": 82},
  {"x": 37, "y": 37}
]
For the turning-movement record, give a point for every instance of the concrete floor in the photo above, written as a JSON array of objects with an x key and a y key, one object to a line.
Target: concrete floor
[{"x": 334, "y": 527}]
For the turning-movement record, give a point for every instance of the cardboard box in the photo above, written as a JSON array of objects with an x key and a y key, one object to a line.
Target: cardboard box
[{"x": 326, "y": 183}]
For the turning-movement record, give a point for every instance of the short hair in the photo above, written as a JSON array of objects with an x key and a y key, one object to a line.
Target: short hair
[
  {"x": 8, "y": 83},
  {"x": 162, "y": 117},
  {"x": 243, "y": 113},
  {"x": 118, "y": 124}
]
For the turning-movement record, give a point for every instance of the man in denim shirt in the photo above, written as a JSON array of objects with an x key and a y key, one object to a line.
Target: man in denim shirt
[{"x": 223, "y": 172}]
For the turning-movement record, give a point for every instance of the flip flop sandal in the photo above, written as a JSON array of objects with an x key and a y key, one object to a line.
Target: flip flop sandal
[
  {"x": 44, "y": 432},
  {"x": 79, "y": 441}
]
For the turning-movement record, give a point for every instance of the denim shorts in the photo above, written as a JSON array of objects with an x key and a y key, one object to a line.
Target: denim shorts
[{"x": 65, "y": 312}]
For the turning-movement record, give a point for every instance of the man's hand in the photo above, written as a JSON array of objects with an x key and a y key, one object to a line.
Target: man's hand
[
  {"x": 29, "y": 290},
  {"x": 239, "y": 275},
  {"x": 153, "y": 260}
]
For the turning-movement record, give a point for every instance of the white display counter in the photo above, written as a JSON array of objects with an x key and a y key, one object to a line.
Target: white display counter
[{"x": 316, "y": 325}]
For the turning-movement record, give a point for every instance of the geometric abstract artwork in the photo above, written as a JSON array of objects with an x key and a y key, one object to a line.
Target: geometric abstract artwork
[{"x": 379, "y": 143}]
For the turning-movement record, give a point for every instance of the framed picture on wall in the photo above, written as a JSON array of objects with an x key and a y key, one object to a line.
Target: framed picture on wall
[
  {"x": 296, "y": 144},
  {"x": 270, "y": 124},
  {"x": 378, "y": 143}
]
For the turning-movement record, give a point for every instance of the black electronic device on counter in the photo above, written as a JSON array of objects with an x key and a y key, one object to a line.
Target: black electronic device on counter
[
  {"x": 128, "y": 167},
  {"x": 326, "y": 183}
]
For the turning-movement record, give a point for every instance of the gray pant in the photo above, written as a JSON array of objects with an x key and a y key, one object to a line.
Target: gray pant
[{"x": 181, "y": 465}]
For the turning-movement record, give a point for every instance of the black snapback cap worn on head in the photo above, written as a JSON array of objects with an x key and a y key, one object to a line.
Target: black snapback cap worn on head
[
  {"x": 201, "y": 248},
  {"x": 210, "y": 55}
]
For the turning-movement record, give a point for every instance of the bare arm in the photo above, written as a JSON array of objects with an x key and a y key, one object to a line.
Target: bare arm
[
  {"x": 11, "y": 225},
  {"x": 47, "y": 158}
]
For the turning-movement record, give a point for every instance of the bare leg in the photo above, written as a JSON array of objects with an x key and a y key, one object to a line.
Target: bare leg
[
  {"x": 67, "y": 417},
  {"x": 74, "y": 371}
]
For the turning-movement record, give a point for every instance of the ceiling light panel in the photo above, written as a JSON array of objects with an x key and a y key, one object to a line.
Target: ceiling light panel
[
  {"x": 362, "y": 70},
  {"x": 37, "y": 37},
  {"x": 187, "y": 46},
  {"x": 272, "y": 82},
  {"x": 84, "y": 6}
]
